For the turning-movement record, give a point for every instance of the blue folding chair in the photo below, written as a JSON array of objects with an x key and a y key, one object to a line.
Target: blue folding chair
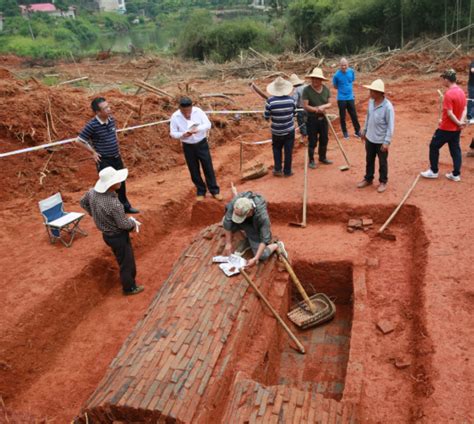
[{"x": 59, "y": 224}]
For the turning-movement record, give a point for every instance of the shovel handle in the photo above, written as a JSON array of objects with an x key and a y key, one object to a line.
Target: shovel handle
[
  {"x": 338, "y": 141},
  {"x": 275, "y": 313},
  {"x": 298, "y": 284}
]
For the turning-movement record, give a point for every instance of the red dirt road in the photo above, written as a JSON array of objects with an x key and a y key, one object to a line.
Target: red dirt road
[{"x": 64, "y": 319}]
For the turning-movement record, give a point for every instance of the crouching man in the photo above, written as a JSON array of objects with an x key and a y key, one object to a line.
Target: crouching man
[
  {"x": 103, "y": 204},
  {"x": 248, "y": 213}
]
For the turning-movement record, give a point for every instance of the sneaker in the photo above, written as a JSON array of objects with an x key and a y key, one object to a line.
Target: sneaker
[
  {"x": 452, "y": 177},
  {"x": 346, "y": 135},
  {"x": 289, "y": 175},
  {"x": 364, "y": 183},
  {"x": 218, "y": 196},
  {"x": 278, "y": 173},
  {"x": 382, "y": 187},
  {"x": 325, "y": 161},
  {"x": 470, "y": 154},
  {"x": 199, "y": 198},
  {"x": 357, "y": 134},
  {"x": 429, "y": 174},
  {"x": 312, "y": 164},
  {"x": 136, "y": 290},
  {"x": 281, "y": 249}
]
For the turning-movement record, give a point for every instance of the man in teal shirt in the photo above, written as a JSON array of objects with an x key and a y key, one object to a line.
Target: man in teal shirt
[{"x": 342, "y": 82}]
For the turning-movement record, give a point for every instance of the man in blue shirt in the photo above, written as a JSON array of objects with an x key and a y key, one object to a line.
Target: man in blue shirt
[
  {"x": 99, "y": 137},
  {"x": 342, "y": 81}
]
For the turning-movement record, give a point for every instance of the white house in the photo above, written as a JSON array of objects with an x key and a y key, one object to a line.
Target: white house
[{"x": 112, "y": 6}]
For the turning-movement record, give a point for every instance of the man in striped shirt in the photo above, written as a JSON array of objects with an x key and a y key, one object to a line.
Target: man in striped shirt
[
  {"x": 280, "y": 107},
  {"x": 99, "y": 137}
]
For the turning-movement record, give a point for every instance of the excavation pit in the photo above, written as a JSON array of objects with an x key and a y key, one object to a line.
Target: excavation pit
[{"x": 209, "y": 350}]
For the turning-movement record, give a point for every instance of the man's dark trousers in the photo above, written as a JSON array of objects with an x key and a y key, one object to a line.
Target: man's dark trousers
[
  {"x": 286, "y": 143},
  {"x": 116, "y": 163},
  {"x": 350, "y": 106},
  {"x": 440, "y": 138},
  {"x": 372, "y": 150},
  {"x": 196, "y": 154},
  {"x": 123, "y": 251},
  {"x": 317, "y": 131}
]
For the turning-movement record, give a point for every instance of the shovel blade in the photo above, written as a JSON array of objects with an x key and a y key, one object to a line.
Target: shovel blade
[
  {"x": 344, "y": 168},
  {"x": 297, "y": 224}
]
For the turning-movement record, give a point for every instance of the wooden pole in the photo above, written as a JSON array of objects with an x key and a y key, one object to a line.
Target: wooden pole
[
  {"x": 275, "y": 313},
  {"x": 298, "y": 284},
  {"x": 338, "y": 141},
  {"x": 390, "y": 218}
]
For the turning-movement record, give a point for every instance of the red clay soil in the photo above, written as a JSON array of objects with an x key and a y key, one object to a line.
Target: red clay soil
[{"x": 64, "y": 319}]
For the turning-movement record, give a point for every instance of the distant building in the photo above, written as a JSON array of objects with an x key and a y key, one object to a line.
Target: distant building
[
  {"x": 48, "y": 8},
  {"x": 259, "y": 4},
  {"x": 111, "y": 6}
]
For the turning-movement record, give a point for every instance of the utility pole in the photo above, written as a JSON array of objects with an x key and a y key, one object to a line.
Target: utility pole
[
  {"x": 470, "y": 23},
  {"x": 402, "y": 41}
]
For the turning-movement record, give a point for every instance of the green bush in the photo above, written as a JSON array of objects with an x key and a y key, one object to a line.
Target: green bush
[{"x": 40, "y": 48}]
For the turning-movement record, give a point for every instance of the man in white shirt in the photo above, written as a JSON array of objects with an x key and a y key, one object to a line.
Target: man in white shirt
[{"x": 190, "y": 125}]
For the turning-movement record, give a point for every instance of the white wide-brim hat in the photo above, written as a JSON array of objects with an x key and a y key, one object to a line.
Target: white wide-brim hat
[
  {"x": 280, "y": 87},
  {"x": 317, "y": 73},
  {"x": 108, "y": 177},
  {"x": 295, "y": 80},
  {"x": 376, "y": 85}
]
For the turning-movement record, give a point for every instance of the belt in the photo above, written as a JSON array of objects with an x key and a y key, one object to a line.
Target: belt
[{"x": 195, "y": 144}]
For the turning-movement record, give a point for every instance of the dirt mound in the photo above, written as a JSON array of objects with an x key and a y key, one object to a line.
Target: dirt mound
[{"x": 32, "y": 114}]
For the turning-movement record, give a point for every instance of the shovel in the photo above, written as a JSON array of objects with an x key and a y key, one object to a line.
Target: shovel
[
  {"x": 348, "y": 165},
  {"x": 389, "y": 236},
  {"x": 305, "y": 193},
  {"x": 314, "y": 310}
]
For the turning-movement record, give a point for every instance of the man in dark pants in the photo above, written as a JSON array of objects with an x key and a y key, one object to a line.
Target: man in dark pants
[
  {"x": 190, "y": 125},
  {"x": 470, "y": 92},
  {"x": 449, "y": 129},
  {"x": 377, "y": 134},
  {"x": 101, "y": 132},
  {"x": 102, "y": 203},
  {"x": 342, "y": 82},
  {"x": 316, "y": 102},
  {"x": 280, "y": 108}
]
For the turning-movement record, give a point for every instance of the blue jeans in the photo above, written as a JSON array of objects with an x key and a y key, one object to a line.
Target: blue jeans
[
  {"x": 470, "y": 103},
  {"x": 286, "y": 143},
  {"x": 440, "y": 138},
  {"x": 301, "y": 119}
]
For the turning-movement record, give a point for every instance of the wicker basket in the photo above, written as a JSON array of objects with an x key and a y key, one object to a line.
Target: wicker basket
[{"x": 304, "y": 318}]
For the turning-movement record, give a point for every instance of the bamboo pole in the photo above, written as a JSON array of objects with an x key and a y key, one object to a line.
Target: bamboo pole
[
  {"x": 273, "y": 311},
  {"x": 394, "y": 213}
]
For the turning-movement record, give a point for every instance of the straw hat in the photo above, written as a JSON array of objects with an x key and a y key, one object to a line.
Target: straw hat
[
  {"x": 317, "y": 73},
  {"x": 376, "y": 85},
  {"x": 242, "y": 207},
  {"x": 280, "y": 87},
  {"x": 294, "y": 79},
  {"x": 108, "y": 177}
]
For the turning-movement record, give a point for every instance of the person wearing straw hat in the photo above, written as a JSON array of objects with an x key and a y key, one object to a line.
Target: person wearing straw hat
[
  {"x": 99, "y": 137},
  {"x": 342, "y": 81},
  {"x": 316, "y": 101},
  {"x": 449, "y": 130},
  {"x": 102, "y": 203},
  {"x": 377, "y": 134},
  {"x": 299, "y": 85},
  {"x": 247, "y": 212},
  {"x": 190, "y": 125},
  {"x": 280, "y": 108}
]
